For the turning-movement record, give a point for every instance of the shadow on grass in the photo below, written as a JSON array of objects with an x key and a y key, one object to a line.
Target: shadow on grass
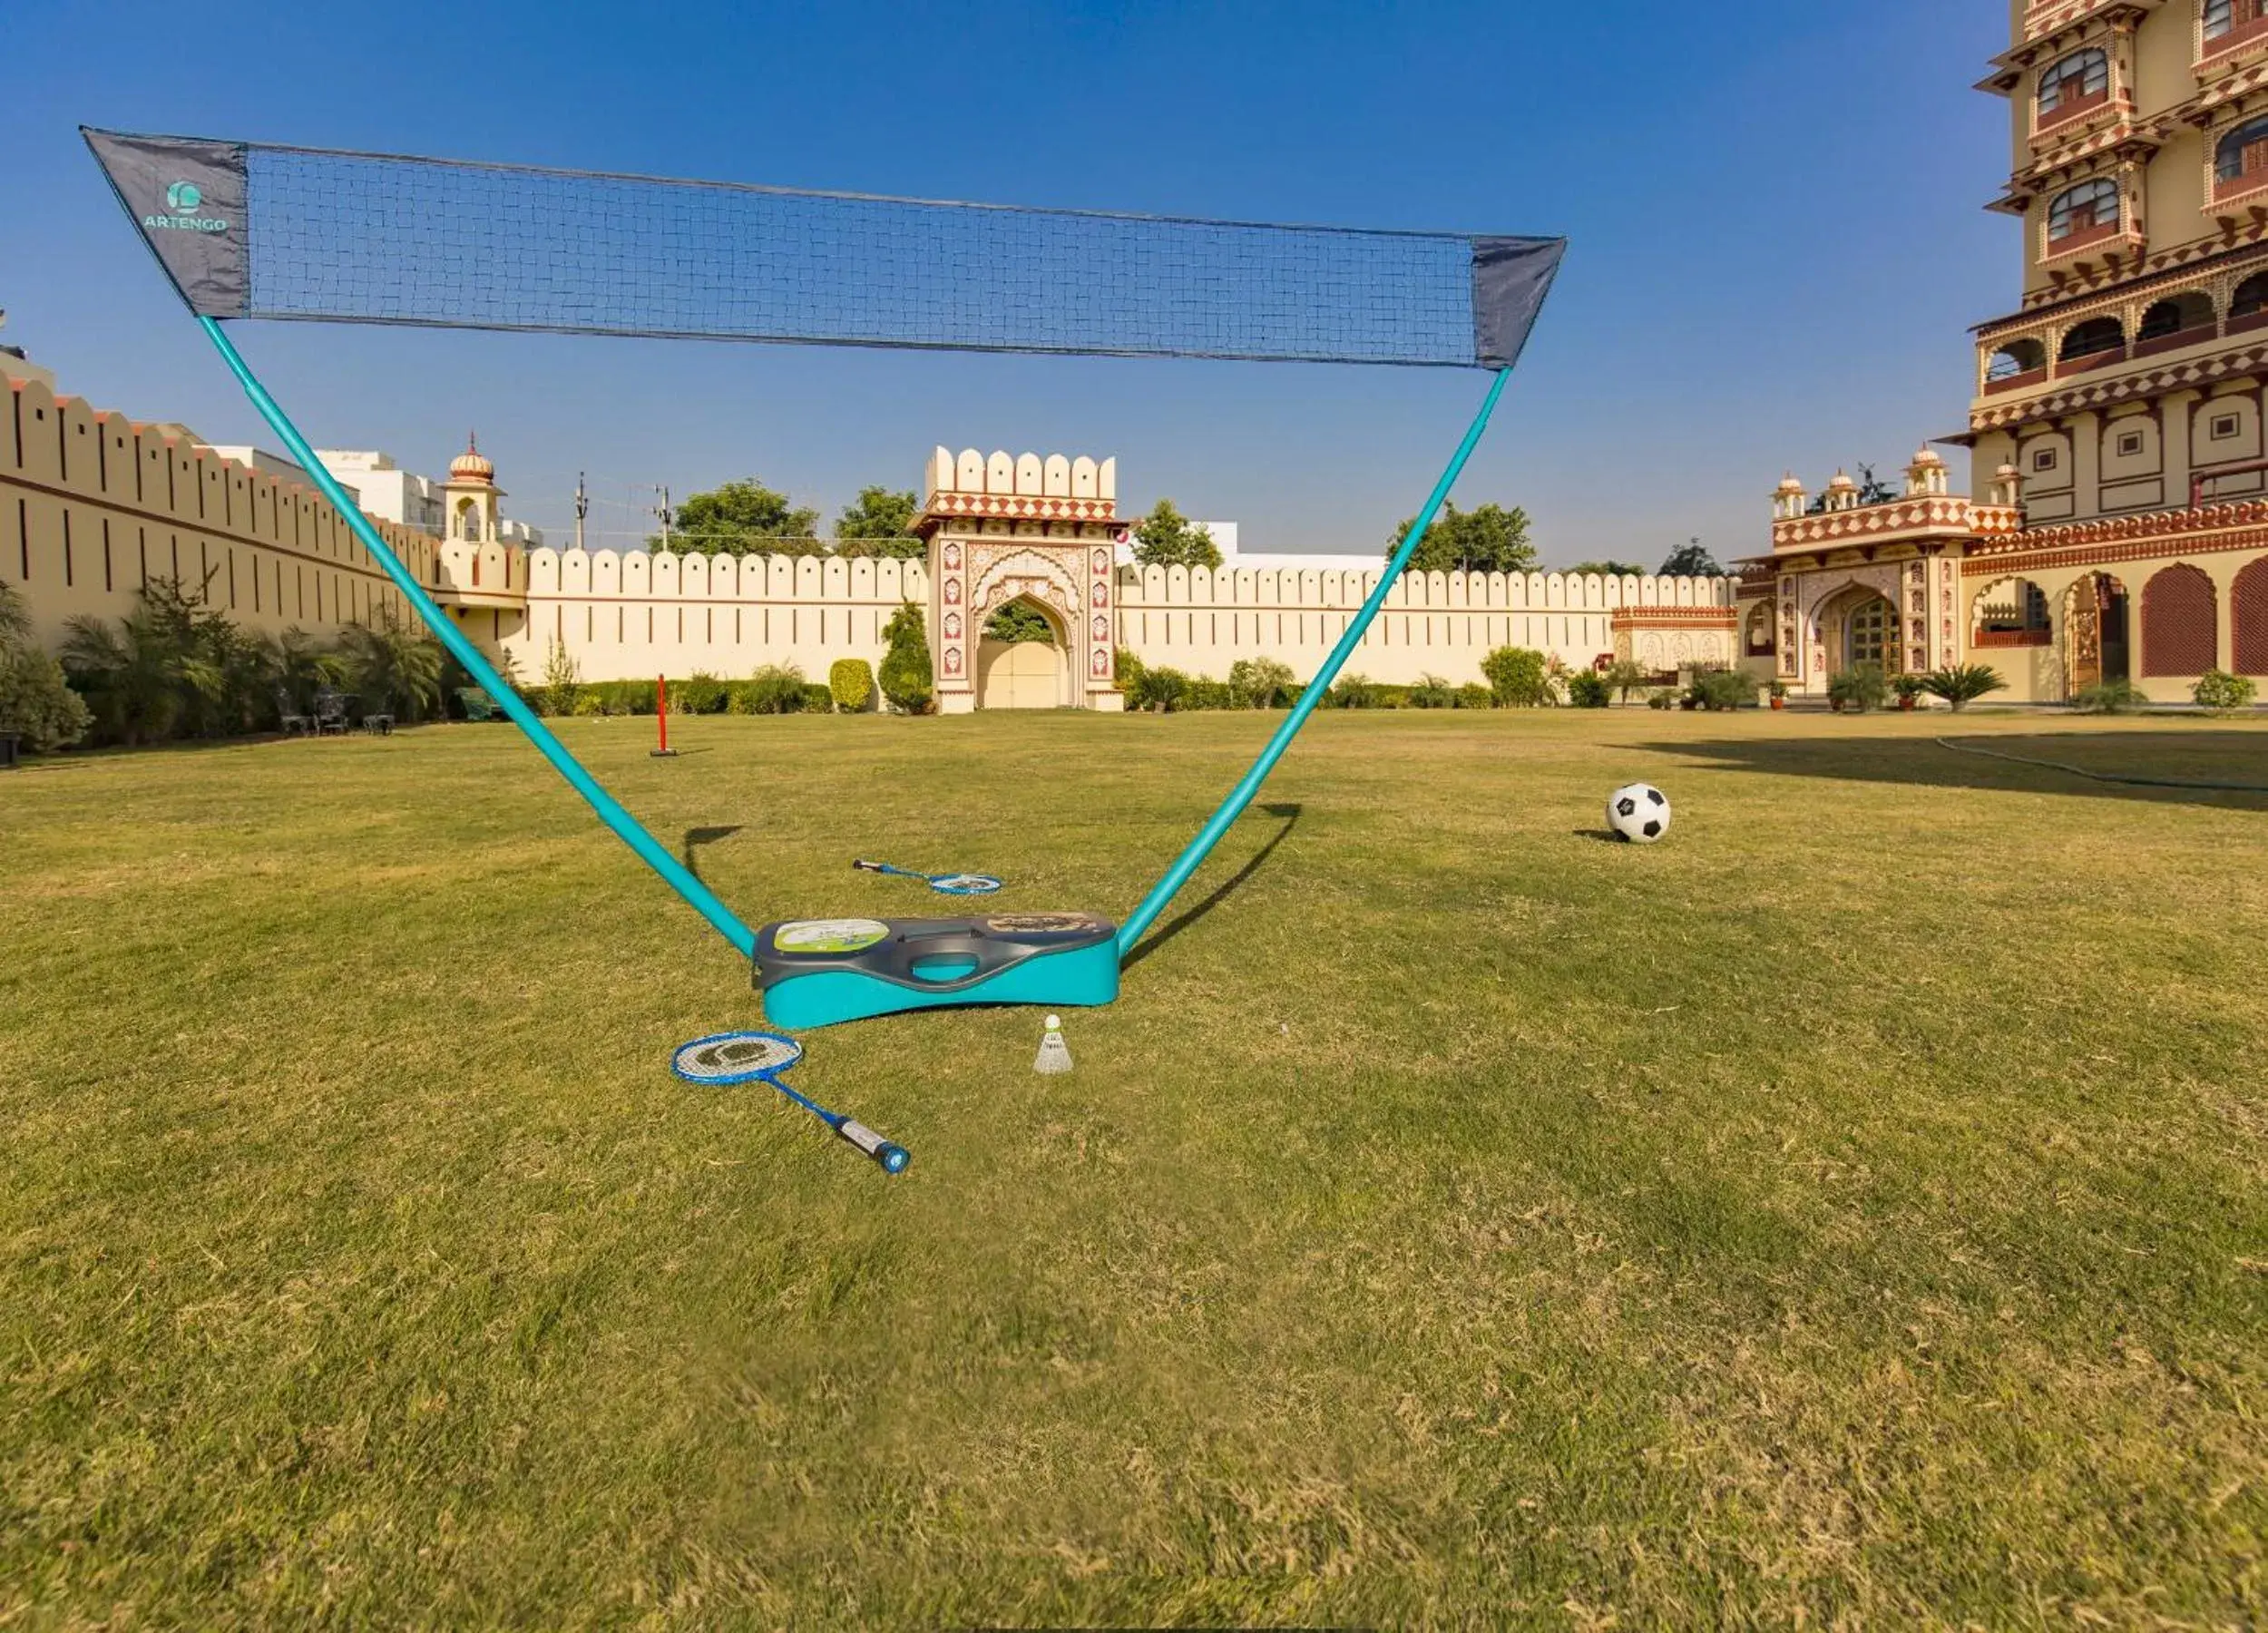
[
  {"x": 1289, "y": 815},
  {"x": 2203, "y": 767},
  {"x": 697, "y": 837}
]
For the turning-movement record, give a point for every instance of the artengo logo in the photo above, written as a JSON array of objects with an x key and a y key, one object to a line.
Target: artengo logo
[{"x": 182, "y": 199}]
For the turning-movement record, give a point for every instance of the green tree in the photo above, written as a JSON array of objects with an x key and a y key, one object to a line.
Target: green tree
[
  {"x": 1018, "y": 622},
  {"x": 742, "y": 518},
  {"x": 36, "y": 703},
  {"x": 1608, "y": 570},
  {"x": 1166, "y": 538},
  {"x": 562, "y": 678},
  {"x": 880, "y": 524},
  {"x": 1490, "y": 539},
  {"x": 1690, "y": 560},
  {"x": 906, "y": 673}
]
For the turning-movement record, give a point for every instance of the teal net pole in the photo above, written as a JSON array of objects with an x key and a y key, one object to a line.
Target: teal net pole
[
  {"x": 674, "y": 873},
  {"x": 1241, "y": 796}
]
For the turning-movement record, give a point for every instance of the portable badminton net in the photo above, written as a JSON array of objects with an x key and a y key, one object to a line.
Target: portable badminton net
[{"x": 249, "y": 230}]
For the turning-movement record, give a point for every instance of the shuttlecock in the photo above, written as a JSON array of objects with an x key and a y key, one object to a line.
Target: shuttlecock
[{"x": 1055, "y": 1055}]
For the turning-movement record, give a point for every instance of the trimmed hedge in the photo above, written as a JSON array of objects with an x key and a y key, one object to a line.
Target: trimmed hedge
[{"x": 851, "y": 683}]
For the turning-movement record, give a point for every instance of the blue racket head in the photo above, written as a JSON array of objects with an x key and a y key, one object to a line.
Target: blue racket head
[
  {"x": 735, "y": 1057},
  {"x": 964, "y": 883}
]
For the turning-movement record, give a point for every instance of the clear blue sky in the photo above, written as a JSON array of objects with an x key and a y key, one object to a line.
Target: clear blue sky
[{"x": 1775, "y": 210}]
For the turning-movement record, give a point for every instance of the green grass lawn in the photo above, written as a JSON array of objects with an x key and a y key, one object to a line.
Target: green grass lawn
[{"x": 1848, "y": 1212}]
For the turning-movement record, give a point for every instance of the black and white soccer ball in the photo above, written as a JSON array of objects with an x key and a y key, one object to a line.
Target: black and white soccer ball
[{"x": 1638, "y": 812}]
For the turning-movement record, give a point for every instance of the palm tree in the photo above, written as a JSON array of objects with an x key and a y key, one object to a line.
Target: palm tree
[
  {"x": 129, "y": 676},
  {"x": 305, "y": 666},
  {"x": 1964, "y": 683},
  {"x": 393, "y": 665},
  {"x": 15, "y": 619}
]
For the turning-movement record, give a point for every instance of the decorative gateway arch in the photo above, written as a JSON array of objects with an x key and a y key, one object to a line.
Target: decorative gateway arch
[{"x": 1003, "y": 526}]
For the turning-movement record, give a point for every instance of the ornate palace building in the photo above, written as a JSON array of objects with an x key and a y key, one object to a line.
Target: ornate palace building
[{"x": 2119, "y": 528}]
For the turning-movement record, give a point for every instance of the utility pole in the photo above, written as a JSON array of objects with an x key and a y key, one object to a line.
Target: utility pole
[
  {"x": 663, "y": 512},
  {"x": 583, "y": 508}
]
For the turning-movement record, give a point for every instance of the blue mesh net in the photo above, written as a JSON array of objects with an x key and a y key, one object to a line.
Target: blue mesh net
[{"x": 372, "y": 238}]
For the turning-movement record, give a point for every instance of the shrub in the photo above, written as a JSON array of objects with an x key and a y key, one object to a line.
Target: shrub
[
  {"x": 698, "y": 693},
  {"x": 851, "y": 683},
  {"x": 1661, "y": 697},
  {"x": 905, "y": 668},
  {"x": 817, "y": 699},
  {"x": 1518, "y": 677},
  {"x": 618, "y": 697},
  {"x": 1587, "y": 689},
  {"x": 1432, "y": 692},
  {"x": 1210, "y": 694},
  {"x": 1719, "y": 689},
  {"x": 1162, "y": 690},
  {"x": 2110, "y": 696},
  {"x": 1474, "y": 695},
  {"x": 1908, "y": 685},
  {"x": 2222, "y": 693},
  {"x": 1259, "y": 682},
  {"x": 775, "y": 688},
  {"x": 1964, "y": 683},
  {"x": 1861, "y": 686},
  {"x": 1355, "y": 691},
  {"x": 1128, "y": 674}
]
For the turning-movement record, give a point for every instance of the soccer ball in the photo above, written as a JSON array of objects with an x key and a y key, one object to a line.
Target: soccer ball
[{"x": 1639, "y": 813}]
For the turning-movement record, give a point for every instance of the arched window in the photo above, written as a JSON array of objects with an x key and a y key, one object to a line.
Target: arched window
[
  {"x": 2242, "y": 155},
  {"x": 2016, "y": 357},
  {"x": 2076, "y": 209},
  {"x": 2251, "y": 297},
  {"x": 469, "y": 518},
  {"x": 2176, "y": 315},
  {"x": 2095, "y": 336},
  {"x": 2180, "y": 623},
  {"x": 2080, "y": 77},
  {"x": 2248, "y": 605}
]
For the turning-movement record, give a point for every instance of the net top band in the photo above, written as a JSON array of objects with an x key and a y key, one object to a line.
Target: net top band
[{"x": 247, "y": 229}]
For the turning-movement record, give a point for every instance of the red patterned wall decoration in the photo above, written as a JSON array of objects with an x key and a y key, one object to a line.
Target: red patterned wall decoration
[
  {"x": 2248, "y": 608},
  {"x": 2180, "y": 623}
]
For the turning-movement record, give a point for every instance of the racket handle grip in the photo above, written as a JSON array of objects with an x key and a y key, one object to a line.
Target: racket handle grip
[
  {"x": 893, "y": 1158},
  {"x": 867, "y": 866}
]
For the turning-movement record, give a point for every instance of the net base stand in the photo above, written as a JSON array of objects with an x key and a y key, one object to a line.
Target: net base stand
[{"x": 822, "y": 972}]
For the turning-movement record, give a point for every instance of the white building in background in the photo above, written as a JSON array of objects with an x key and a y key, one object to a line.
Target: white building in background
[
  {"x": 381, "y": 488},
  {"x": 1238, "y": 560},
  {"x": 384, "y": 489}
]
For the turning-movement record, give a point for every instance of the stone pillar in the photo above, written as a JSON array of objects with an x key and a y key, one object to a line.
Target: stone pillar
[
  {"x": 2174, "y": 443},
  {"x": 951, "y": 647},
  {"x": 2086, "y": 429}
]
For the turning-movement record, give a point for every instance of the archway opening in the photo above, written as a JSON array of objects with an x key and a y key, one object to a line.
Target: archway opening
[
  {"x": 1021, "y": 660},
  {"x": 1859, "y": 624},
  {"x": 2095, "y": 631},
  {"x": 2010, "y": 612}
]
